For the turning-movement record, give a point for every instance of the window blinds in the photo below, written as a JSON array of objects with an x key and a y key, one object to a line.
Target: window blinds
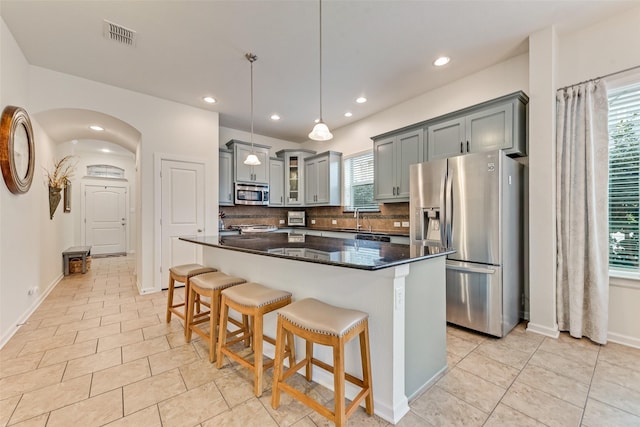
[{"x": 624, "y": 178}]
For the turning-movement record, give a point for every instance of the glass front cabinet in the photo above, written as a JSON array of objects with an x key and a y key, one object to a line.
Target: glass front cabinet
[{"x": 294, "y": 175}]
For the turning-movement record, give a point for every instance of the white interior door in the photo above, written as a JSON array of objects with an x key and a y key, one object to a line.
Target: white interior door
[
  {"x": 183, "y": 196},
  {"x": 106, "y": 219}
]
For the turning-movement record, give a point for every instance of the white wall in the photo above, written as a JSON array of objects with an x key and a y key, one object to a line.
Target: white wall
[
  {"x": 501, "y": 79},
  {"x": 30, "y": 243},
  {"x": 85, "y": 153},
  {"x": 227, "y": 134},
  {"x": 607, "y": 47},
  {"x": 167, "y": 128}
]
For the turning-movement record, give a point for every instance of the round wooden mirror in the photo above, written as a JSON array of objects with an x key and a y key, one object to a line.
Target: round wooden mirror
[{"x": 17, "y": 154}]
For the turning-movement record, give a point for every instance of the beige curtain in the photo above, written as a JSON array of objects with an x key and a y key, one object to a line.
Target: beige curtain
[{"x": 582, "y": 165}]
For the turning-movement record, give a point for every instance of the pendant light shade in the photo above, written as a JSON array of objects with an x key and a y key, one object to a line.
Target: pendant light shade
[
  {"x": 320, "y": 131},
  {"x": 252, "y": 159}
]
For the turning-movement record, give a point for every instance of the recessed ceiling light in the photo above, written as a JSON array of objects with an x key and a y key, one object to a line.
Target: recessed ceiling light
[
  {"x": 96, "y": 128},
  {"x": 443, "y": 60},
  {"x": 275, "y": 117},
  {"x": 361, "y": 100},
  {"x": 209, "y": 99},
  {"x": 348, "y": 114},
  {"x": 105, "y": 150},
  {"x": 74, "y": 141}
]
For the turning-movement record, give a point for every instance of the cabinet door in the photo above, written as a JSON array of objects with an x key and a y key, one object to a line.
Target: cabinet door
[
  {"x": 446, "y": 139},
  {"x": 322, "y": 181},
  {"x": 293, "y": 175},
  {"x": 225, "y": 190},
  {"x": 410, "y": 148},
  {"x": 247, "y": 173},
  {"x": 310, "y": 182},
  {"x": 276, "y": 182},
  {"x": 384, "y": 169},
  {"x": 490, "y": 129}
]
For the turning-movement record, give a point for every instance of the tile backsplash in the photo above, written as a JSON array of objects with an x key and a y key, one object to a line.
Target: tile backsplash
[{"x": 324, "y": 216}]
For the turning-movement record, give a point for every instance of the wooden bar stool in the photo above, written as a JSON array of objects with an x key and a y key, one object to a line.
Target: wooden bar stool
[
  {"x": 317, "y": 322},
  {"x": 209, "y": 285},
  {"x": 183, "y": 274},
  {"x": 253, "y": 300}
]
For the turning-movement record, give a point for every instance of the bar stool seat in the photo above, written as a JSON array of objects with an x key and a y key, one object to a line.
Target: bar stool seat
[
  {"x": 321, "y": 323},
  {"x": 208, "y": 285},
  {"x": 252, "y": 300},
  {"x": 182, "y": 273}
]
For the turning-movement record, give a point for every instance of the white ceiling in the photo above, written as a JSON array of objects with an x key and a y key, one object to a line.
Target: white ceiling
[{"x": 379, "y": 49}]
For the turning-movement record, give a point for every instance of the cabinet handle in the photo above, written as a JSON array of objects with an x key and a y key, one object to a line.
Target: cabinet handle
[
  {"x": 467, "y": 146},
  {"x": 461, "y": 147}
]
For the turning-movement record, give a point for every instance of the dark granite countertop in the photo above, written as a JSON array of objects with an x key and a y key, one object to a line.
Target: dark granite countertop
[{"x": 350, "y": 253}]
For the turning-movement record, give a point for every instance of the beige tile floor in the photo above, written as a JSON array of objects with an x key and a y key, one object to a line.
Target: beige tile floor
[{"x": 96, "y": 353}]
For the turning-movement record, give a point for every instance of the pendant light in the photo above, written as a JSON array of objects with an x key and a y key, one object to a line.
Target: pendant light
[
  {"x": 252, "y": 159},
  {"x": 320, "y": 131}
]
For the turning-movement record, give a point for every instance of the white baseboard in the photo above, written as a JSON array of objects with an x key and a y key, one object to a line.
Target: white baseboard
[
  {"x": 543, "y": 330},
  {"x": 33, "y": 307},
  {"x": 624, "y": 339}
]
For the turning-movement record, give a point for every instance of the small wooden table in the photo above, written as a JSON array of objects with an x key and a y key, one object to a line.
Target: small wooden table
[{"x": 75, "y": 252}]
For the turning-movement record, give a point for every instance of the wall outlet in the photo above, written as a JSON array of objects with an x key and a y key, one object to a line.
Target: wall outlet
[
  {"x": 282, "y": 221},
  {"x": 405, "y": 223},
  {"x": 334, "y": 222},
  {"x": 313, "y": 221},
  {"x": 396, "y": 223},
  {"x": 33, "y": 290}
]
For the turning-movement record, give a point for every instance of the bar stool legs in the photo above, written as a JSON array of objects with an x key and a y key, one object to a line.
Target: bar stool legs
[
  {"x": 183, "y": 274},
  {"x": 317, "y": 322},
  {"x": 252, "y": 300},
  {"x": 208, "y": 285}
]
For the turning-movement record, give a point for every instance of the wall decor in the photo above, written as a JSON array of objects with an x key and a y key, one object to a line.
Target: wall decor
[
  {"x": 67, "y": 197},
  {"x": 58, "y": 179},
  {"x": 17, "y": 153}
]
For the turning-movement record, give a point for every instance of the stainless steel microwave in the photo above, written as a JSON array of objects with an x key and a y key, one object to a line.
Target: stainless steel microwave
[{"x": 252, "y": 194}]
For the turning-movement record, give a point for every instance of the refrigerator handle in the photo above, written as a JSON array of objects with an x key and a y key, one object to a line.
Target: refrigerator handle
[
  {"x": 443, "y": 211},
  {"x": 449, "y": 209}
]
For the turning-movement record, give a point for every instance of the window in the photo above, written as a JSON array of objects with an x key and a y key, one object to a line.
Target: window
[
  {"x": 624, "y": 178},
  {"x": 105, "y": 171},
  {"x": 358, "y": 183}
]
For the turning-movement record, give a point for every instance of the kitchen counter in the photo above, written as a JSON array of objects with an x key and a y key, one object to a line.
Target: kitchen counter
[
  {"x": 401, "y": 287},
  {"x": 350, "y": 253}
]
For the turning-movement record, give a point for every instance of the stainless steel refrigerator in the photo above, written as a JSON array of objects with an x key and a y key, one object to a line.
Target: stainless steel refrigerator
[{"x": 474, "y": 204}]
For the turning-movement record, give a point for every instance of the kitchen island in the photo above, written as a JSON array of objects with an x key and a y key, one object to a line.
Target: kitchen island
[{"x": 402, "y": 287}]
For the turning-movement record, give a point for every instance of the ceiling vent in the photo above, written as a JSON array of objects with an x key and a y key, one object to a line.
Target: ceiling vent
[{"x": 119, "y": 34}]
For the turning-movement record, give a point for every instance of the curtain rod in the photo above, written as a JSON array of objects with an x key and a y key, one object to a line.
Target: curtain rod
[{"x": 602, "y": 77}]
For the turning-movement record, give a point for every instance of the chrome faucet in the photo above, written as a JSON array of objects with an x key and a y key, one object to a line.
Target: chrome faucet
[{"x": 356, "y": 215}]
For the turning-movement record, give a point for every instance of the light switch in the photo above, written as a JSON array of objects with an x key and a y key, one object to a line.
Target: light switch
[
  {"x": 334, "y": 222},
  {"x": 405, "y": 223},
  {"x": 396, "y": 224},
  {"x": 282, "y": 221},
  {"x": 313, "y": 221}
]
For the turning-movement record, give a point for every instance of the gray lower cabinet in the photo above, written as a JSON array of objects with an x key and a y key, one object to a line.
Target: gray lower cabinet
[
  {"x": 322, "y": 179},
  {"x": 276, "y": 182},
  {"x": 495, "y": 125},
  {"x": 245, "y": 173},
  {"x": 225, "y": 169},
  {"x": 392, "y": 157}
]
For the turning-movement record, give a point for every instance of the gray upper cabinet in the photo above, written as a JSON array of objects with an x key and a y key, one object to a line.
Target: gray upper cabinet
[
  {"x": 276, "y": 182},
  {"x": 245, "y": 173},
  {"x": 225, "y": 177},
  {"x": 322, "y": 179},
  {"x": 392, "y": 156},
  {"x": 495, "y": 125},
  {"x": 294, "y": 175}
]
